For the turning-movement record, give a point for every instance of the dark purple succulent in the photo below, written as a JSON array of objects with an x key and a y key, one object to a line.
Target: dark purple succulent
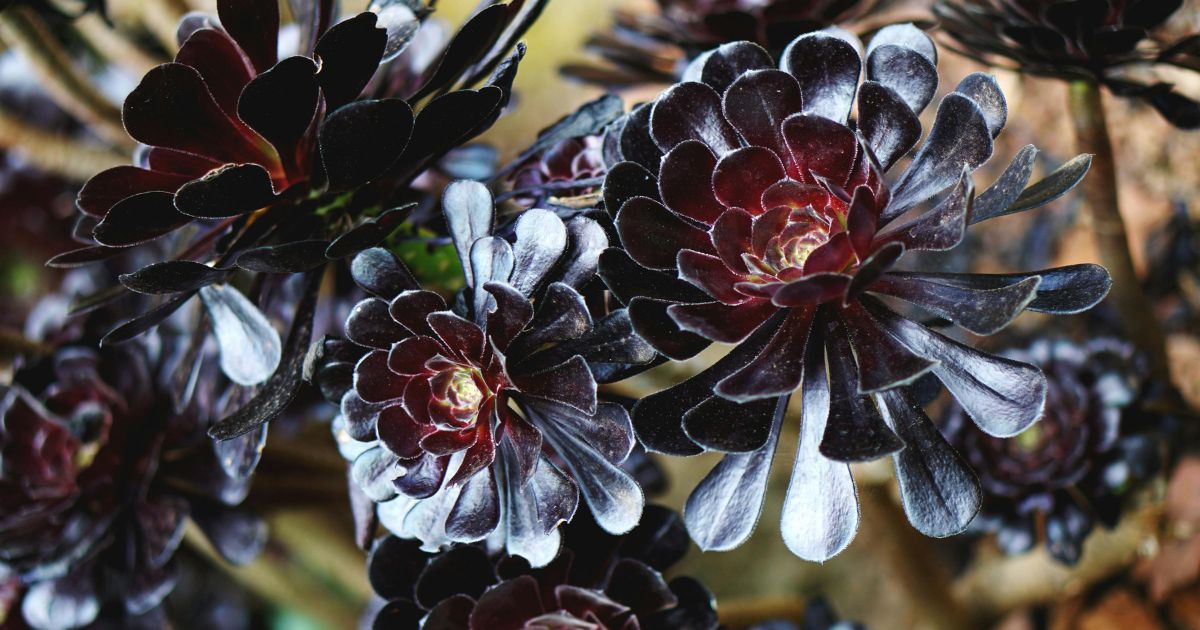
[
  {"x": 751, "y": 211},
  {"x": 480, "y": 419},
  {"x": 1072, "y": 469},
  {"x": 281, "y": 166},
  {"x": 599, "y": 581},
  {"x": 101, "y": 465},
  {"x": 1095, "y": 40},
  {"x": 654, "y": 47},
  {"x": 565, "y": 166}
]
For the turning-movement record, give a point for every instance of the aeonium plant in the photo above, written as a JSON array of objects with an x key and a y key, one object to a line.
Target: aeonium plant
[
  {"x": 260, "y": 167},
  {"x": 753, "y": 211},
  {"x": 478, "y": 418}
]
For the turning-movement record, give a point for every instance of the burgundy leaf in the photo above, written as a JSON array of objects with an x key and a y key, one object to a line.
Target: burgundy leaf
[
  {"x": 691, "y": 111},
  {"x": 855, "y": 431},
  {"x": 231, "y": 190},
  {"x": 742, "y": 176},
  {"x": 827, "y": 68},
  {"x": 255, "y": 26},
  {"x": 686, "y": 183},
  {"x": 108, "y": 187},
  {"x": 653, "y": 235},
  {"x": 349, "y": 54}
]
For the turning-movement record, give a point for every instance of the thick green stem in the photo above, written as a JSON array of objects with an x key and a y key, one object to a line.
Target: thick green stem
[{"x": 1100, "y": 193}]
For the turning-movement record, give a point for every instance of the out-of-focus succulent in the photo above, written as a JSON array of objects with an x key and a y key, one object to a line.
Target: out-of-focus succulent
[
  {"x": 751, "y": 212},
  {"x": 599, "y": 581},
  {"x": 654, "y": 47},
  {"x": 101, "y": 465},
  {"x": 1173, "y": 258},
  {"x": 1097, "y": 40},
  {"x": 1072, "y": 469},
  {"x": 480, "y": 419}
]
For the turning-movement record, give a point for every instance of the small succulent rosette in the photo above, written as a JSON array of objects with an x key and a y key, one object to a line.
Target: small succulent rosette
[
  {"x": 1076, "y": 467},
  {"x": 479, "y": 419}
]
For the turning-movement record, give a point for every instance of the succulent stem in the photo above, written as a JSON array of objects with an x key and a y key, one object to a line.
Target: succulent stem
[{"x": 1100, "y": 193}]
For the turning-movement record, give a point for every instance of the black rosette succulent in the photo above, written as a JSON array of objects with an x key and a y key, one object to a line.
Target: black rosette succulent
[
  {"x": 654, "y": 47},
  {"x": 101, "y": 466},
  {"x": 599, "y": 581},
  {"x": 270, "y": 167},
  {"x": 565, "y": 165},
  {"x": 1071, "y": 470},
  {"x": 480, "y": 419},
  {"x": 752, "y": 212},
  {"x": 1095, "y": 40}
]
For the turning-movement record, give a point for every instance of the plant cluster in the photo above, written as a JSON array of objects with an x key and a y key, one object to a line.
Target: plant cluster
[{"x": 466, "y": 330}]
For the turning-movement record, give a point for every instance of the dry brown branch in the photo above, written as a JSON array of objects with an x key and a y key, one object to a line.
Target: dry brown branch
[
  {"x": 54, "y": 153},
  {"x": 23, "y": 30}
]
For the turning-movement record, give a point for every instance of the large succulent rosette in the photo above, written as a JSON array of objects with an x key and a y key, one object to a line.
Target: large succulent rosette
[
  {"x": 270, "y": 167},
  {"x": 1073, "y": 469},
  {"x": 1098, "y": 40},
  {"x": 101, "y": 465},
  {"x": 653, "y": 47},
  {"x": 480, "y": 419},
  {"x": 599, "y": 581},
  {"x": 751, "y": 211}
]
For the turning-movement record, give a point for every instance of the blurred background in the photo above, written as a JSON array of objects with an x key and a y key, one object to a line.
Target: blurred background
[{"x": 312, "y": 574}]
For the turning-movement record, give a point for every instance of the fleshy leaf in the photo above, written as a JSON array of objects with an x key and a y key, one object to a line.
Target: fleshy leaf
[
  {"x": 939, "y": 490},
  {"x": 820, "y": 510},
  {"x": 250, "y": 348},
  {"x": 172, "y": 276},
  {"x": 723, "y": 510},
  {"x": 360, "y": 141}
]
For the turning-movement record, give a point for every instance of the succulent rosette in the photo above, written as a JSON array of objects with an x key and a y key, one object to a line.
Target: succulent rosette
[
  {"x": 653, "y": 47},
  {"x": 599, "y": 581},
  {"x": 1098, "y": 40},
  {"x": 101, "y": 465},
  {"x": 752, "y": 212},
  {"x": 480, "y": 419},
  {"x": 1095, "y": 441},
  {"x": 565, "y": 165},
  {"x": 270, "y": 166}
]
